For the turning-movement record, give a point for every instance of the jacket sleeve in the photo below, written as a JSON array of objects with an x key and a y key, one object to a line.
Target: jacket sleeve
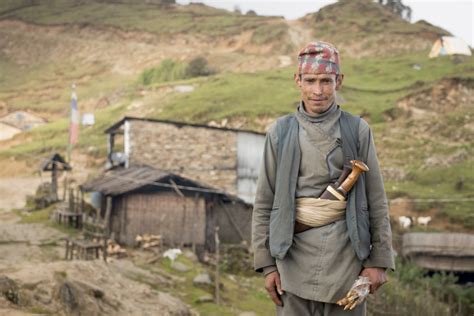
[
  {"x": 264, "y": 202},
  {"x": 381, "y": 254}
]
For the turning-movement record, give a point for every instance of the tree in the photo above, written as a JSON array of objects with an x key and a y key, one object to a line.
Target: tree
[
  {"x": 397, "y": 7},
  {"x": 251, "y": 13}
]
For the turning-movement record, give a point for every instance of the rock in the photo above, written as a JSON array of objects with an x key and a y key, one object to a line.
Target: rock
[
  {"x": 202, "y": 279},
  {"x": 9, "y": 289},
  {"x": 67, "y": 295},
  {"x": 205, "y": 299},
  {"x": 184, "y": 88},
  {"x": 191, "y": 255},
  {"x": 6, "y": 284},
  {"x": 181, "y": 267}
]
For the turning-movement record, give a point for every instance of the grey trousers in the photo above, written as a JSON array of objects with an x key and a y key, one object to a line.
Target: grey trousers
[{"x": 296, "y": 306}]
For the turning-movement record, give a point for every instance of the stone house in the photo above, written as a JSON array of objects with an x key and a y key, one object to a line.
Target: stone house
[
  {"x": 22, "y": 120},
  {"x": 144, "y": 200},
  {"x": 224, "y": 158},
  {"x": 7, "y": 131}
]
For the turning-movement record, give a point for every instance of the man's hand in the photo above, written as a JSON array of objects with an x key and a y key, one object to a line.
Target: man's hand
[
  {"x": 273, "y": 286},
  {"x": 377, "y": 277}
]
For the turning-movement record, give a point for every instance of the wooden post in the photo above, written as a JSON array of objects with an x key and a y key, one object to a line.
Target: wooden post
[
  {"x": 195, "y": 217},
  {"x": 54, "y": 180},
  {"x": 108, "y": 210},
  {"x": 65, "y": 187},
  {"x": 67, "y": 248},
  {"x": 82, "y": 202},
  {"x": 183, "y": 223},
  {"x": 71, "y": 200},
  {"x": 217, "y": 281},
  {"x": 77, "y": 200}
]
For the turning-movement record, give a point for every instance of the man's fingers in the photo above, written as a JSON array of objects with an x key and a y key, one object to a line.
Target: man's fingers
[
  {"x": 373, "y": 288},
  {"x": 278, "y": 285},
  {"x": 273, "y": 287},
  {"x": 275, "y": 297}
]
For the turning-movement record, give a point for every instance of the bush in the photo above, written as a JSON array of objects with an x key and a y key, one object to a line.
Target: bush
[
  {"x": 413, "y": 291},
  {"x": 170, "y": 70},
  {"x": 198, "y": 67}
]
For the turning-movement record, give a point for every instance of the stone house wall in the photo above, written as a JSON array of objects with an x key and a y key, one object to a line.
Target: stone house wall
[{"x": 199, "y": 153}]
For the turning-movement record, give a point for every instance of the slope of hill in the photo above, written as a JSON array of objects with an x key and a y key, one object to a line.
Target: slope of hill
[
  {"x": 102, "y": 46},
  {"x": 162, "y": 20},
  {"x": 365, "y": 28}
]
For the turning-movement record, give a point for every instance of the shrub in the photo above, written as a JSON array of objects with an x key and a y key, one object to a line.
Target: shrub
[
  {"x": 168, "y": 70},
  {"x": 198, "y": 67}
]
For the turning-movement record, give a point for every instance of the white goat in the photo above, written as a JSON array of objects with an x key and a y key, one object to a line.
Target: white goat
[
  {"x": 404, "y": 222},
  {"x": 423, "y": 220}
]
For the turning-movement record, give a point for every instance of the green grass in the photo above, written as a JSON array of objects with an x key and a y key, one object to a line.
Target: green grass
[
  {"x": 162, "y": 20},
  {"x": 238, "y": 293},
  {"x": 235, "y": 95},
  {"x": 46, "y": 88},
  {"x": 270, "y": 33},
  {"x": 396, "y": 74},
  {"x": 409, "y": 290},
  {"x": 368, "y": 88},
  {"x": 39, "y": 216}
]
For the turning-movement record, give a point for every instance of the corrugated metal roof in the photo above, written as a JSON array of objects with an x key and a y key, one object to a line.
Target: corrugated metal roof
[
  {"x": 120, "y": 181},
  {"x": 117, "y": 125}
]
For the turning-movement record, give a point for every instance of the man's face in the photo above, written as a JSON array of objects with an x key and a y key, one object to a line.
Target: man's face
[{"x": 318, "y": 91}]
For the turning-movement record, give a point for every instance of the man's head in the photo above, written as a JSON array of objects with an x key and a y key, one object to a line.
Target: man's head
[{"x": 318, "y": 76}]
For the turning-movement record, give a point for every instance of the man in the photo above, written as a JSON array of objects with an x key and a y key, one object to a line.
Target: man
[{"x": 307, "y": 272}]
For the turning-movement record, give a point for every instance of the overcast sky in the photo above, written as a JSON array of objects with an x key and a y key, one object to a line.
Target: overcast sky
[{"x": 455, "y": 16}]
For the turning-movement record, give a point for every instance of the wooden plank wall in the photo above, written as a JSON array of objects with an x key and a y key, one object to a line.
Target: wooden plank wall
[
  {"x": 235, "y": 222},
  {"x": 179, "y": 220}
]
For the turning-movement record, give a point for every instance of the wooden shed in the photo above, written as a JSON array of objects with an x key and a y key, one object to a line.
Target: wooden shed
[{"x": 145, "y": 200}]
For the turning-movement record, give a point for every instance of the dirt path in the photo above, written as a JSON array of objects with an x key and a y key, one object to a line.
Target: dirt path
[
  {"x": 299, "y": 34},
  {"x": 32, "y": 258},
  {"x": 13, "y": 191}
]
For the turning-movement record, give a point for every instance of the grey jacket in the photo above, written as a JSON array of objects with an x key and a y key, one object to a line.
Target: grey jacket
[{"x": 271, "y": 225}]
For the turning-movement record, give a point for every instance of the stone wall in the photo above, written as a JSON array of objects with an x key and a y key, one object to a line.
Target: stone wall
[{"x": 198, "y": 153}]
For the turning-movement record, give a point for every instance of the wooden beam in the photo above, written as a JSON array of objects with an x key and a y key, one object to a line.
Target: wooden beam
[
  {"x": 108, "y": 211},
  {"x": 175, "y": 187}
]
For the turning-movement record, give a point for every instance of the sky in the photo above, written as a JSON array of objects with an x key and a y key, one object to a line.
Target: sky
[{"x": 455, "y": 16}]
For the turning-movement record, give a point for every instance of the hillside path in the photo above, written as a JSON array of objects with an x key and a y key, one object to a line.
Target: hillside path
[
  {"x": 300, "y": 35},
  {"x": 13, "y": 191}
]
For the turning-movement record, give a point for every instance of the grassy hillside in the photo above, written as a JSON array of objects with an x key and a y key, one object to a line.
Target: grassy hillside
[
  {"x": 369, "y": 88},
  {"x": 162, "y": 20},
  {"x": 366, "y": 28}
]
